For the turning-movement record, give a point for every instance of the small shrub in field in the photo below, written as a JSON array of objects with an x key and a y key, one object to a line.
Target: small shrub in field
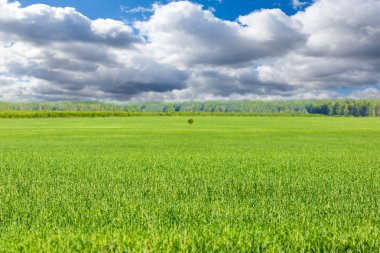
[{"x": 190, "y": 121}]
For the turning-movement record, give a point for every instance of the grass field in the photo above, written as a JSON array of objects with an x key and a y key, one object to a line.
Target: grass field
[{"x": 230, "y": 184}]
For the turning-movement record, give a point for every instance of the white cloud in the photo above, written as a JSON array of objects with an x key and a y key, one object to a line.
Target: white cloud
[
  {"x": 297, "y": 4},
  {"x": 342, "y": 28},
  {"x": 184, "y": 52},
  {"x": 44, "y": 24},
  {"x": 138, "y": 9},
  {"x": 65, "y": 54},
  {"x": 182, "y": 33},
  {"x": 367, "y": 94}
]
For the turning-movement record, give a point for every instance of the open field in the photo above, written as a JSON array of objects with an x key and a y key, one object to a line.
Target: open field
[{"x": 227, "y": 184}]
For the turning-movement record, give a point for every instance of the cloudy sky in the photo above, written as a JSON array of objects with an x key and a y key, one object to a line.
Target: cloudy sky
[{"x": 141, "y": 50}]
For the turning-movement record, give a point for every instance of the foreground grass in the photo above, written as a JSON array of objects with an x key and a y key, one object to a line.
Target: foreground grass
[{"x": 221, "y": 184}]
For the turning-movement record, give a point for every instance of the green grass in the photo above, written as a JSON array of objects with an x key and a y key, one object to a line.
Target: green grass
[
  {"x": 223, "y": 184},
  {"x": 105, "y": 114}
]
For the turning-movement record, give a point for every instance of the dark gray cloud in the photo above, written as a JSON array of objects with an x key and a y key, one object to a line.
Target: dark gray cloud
[{"x": 120, "y": 80}]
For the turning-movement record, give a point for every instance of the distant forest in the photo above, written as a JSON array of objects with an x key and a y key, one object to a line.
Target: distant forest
[{"x": 358, "y": 108}]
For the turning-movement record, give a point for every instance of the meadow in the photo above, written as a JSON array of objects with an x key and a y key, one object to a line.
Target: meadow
[{"x": 159, "y": 184}]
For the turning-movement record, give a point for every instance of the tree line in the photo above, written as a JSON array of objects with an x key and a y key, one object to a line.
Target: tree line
[{"x": 357, "y": 108}]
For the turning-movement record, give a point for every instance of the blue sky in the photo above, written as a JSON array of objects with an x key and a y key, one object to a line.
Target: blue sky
[
  {"x": 179, "y": 51},
  {"x": 225, "y": 9}
]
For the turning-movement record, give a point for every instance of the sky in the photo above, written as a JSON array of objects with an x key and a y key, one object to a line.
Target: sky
[
  {"x": 139, "y": 51},
  {"x": 137, "y": 9}
]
